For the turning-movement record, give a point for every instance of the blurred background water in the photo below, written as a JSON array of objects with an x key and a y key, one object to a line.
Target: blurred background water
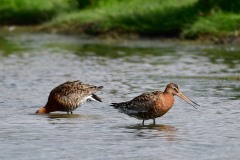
[{"x": 33, "y": 64}]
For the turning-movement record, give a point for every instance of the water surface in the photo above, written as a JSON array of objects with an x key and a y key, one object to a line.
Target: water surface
[{"x": 31, "y": 65}]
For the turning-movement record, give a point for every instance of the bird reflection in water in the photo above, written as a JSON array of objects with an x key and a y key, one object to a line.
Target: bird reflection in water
[
  {"x": 167, "y": 132},
  {"x": 53, "y": 116},
  {"x": 71, "y": 118}
]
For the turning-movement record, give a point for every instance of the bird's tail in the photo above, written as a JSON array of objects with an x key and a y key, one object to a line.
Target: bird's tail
[
  {"x": 99, "y": 87},
  {"x": 115, "y": 105},
  {"x": 95, "y": 97}
]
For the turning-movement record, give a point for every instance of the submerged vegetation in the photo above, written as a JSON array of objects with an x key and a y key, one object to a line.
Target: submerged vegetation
[
  {"x": 7, "y": 47},
  {"x": 163, "y": 18}
]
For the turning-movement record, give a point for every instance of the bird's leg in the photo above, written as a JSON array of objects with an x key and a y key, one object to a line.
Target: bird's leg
[
  {"x": 153, "y": 120},
  {"x": 143, "y": 122},
  {"x": 71, "y": 112}
]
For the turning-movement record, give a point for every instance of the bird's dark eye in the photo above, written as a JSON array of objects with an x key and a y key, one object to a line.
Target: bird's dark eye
[{"x": 175, "y": 89}]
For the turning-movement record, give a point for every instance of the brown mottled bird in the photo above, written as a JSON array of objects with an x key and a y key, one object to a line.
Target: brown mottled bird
[
  {"x": 153, "y": 104},
  {"x": 69, "y": 96}
]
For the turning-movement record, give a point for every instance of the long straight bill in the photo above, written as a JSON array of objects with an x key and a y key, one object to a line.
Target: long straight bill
[{"x": 185, "y": 98}]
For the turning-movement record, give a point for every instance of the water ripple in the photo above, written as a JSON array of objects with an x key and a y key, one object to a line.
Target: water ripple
[{"x": 126, "y": 69}]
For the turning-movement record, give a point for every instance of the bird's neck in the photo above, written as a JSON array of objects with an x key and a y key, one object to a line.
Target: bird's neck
[
  {"x": 46, "y": 109},
  {"x": 168, "y": 100},
  {"x": 42, "y": 110}
]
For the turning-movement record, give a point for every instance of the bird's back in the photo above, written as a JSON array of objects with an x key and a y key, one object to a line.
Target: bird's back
[
  {"x": 69, "y": 95},
  {"x": 145, "y": 106},
  {"x": 74, "y": 87}
]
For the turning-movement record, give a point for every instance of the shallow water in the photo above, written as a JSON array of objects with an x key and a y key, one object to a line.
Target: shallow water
[{"x": 31, "y": 65}]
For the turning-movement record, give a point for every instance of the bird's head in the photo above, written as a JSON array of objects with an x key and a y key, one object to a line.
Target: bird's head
[{"x": 173, "y": 89}]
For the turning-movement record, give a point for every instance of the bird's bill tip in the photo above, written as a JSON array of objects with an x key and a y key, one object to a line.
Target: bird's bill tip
[{"x": 188, "y": 100}]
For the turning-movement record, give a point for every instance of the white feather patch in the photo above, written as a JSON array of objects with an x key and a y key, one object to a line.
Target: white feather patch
[{"x": 88, "y": 98}]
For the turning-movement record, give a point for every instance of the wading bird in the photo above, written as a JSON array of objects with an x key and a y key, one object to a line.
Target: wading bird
[
  {"x": 151, "y": 105},
  {"x": 69, "y": 96}
]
